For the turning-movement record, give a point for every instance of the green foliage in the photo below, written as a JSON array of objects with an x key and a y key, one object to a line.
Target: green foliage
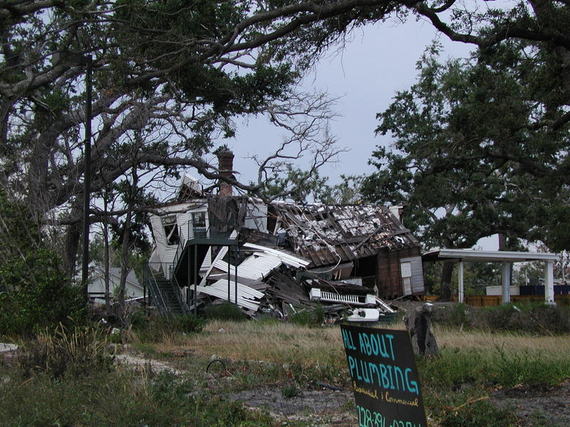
[
  {"x": 118, "y": 398},
  {"x": 290, "y": 391},
  {"x": 308, "y": 186},
  {"x": 474, "y": 153},
  {"x": 18, "y": 232},
  {"x": 480, "y": 413},
  {"x": 491, "y": 367},
  {"x": 309, "y": 317},
  {"x": 75, "y": 351},
  {"x": 34, "y": 291},
  {"x": 528, "y": 369},
  {"x": 153, "y": 328},
  {"x": 530, "y": 273},
  {"x": 522, "y": 318},
  {"x": 38, "y": 294},
  {"x": 224, "y": 311}
]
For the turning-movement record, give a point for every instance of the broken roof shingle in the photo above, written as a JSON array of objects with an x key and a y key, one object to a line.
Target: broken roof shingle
[{"x": 328, "y": 234}]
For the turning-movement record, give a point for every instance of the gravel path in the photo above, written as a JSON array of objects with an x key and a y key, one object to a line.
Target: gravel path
[
  {"x": 142, "y": 364},
  {"x": 319, "y": 407}
]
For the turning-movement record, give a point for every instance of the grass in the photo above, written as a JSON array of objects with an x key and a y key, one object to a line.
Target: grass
[
  {"x": 483, "y": 340},
  {"x": 457, "y": 385},
  {"x": 117, "y": 398}
]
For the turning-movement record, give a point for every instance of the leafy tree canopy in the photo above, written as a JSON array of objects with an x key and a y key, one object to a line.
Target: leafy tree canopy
[
  {"x": 480, "y": 147},
  {"x": 176, "y": 73}
]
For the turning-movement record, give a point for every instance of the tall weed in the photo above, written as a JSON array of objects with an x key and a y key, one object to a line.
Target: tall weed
[
  {"x": 75, "y": 351},
  {"x": 155, "y": 328}
]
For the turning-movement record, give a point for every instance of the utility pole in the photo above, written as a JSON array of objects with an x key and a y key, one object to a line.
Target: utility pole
[{"x": 87, "y": 178}]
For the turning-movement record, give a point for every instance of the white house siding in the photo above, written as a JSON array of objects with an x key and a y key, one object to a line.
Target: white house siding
[{"x": 417, "y": 274}]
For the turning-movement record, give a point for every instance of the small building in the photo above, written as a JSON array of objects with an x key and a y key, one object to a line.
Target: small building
[{"x": 133, "y": 288}]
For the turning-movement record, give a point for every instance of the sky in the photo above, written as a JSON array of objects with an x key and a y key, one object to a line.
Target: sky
[{"x": 377, "y": 61}]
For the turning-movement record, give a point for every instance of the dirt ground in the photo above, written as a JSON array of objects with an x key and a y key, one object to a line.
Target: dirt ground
[
  {"x": 322, "y": 406},
  {"x": 546, "y": 406},
  {"x": 316, "y": 407}
]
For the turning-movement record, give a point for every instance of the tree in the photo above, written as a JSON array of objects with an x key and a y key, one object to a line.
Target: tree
[
  {"x": 33, "y": 291},
  {"x": 471, "y": 157},
  {"x": 174, "y": 74}
]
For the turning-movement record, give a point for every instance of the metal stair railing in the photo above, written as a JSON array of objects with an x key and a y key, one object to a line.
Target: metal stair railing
[
  {"x": 154, "y": 290},
  {"x": 193, "y": 232},
  {"x": 177, "y": 287},
  {"x": 160, "y": 297}
]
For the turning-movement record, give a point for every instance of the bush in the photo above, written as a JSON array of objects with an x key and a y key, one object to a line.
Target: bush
[
  {"x": 224, "y": 311},
  {"x": 314, "y": 317},
  {"x": 524, "y": 318},
  {"x": 75, "y": 351},
  {"x": 153, "y": 328},
  {"x": 290, "y": 391},
  {"x": 37, "y": 294}
]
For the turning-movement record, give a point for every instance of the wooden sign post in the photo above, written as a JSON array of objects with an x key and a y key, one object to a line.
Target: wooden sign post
[{"x": 384, "y": 377}]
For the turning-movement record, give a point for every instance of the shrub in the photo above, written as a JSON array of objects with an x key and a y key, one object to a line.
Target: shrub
[
  {"x": 290, "y": 391},
  {"x": 524, "y": 318},
  {"x": 308, "y": 317},
  {"x": 153, "y": 328},
  {"x": 75, "y": 351},
  {"x": 224, "y": 311},
  {"x": 37, "y": 294}
]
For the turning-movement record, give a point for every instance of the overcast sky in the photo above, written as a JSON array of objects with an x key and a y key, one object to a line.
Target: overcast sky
[{"x": 377, "y": 62}]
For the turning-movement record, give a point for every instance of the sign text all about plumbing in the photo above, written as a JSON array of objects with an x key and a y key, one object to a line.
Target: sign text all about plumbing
[{"x": 384, "y": 377}]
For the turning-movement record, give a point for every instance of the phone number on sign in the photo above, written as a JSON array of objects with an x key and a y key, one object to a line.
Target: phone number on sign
[{"x": 368, "y": 418}]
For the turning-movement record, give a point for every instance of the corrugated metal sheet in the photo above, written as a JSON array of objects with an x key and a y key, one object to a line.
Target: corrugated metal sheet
[
  {"x": 285, "y": 258},
  {"x": 331, "y": 234},
  {"x": 246, "y": 296},
  {"x": 258, "y": 266}
]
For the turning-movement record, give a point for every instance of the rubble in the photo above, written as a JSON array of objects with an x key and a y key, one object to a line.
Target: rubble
[
  {"x": 217, "y": 246},
  {"x": 275, "y": 283}
]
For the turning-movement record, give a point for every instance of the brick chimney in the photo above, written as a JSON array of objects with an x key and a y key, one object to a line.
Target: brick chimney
[{"x": 225, "y": 167}]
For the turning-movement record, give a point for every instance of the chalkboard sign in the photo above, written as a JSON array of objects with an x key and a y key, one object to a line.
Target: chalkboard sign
[{"x": 384, "y": 377}]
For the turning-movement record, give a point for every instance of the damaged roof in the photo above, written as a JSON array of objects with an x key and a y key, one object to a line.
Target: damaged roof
[{"x": 330, "y": 234}]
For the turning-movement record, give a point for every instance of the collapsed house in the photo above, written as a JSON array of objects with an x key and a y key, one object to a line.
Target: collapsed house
[{"x": 277, "y": 257}]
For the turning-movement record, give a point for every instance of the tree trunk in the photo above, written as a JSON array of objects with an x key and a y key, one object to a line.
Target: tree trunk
[
  {"x": 124, "y": 269},
  {"x": 71, "y": 242},
  {"x": 106, "y": 256},
  {"x": 418, "y": 323},
  {"x": 131, "y": 192}
]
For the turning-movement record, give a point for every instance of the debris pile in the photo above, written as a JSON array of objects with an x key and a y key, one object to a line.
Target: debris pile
[{"x": 275, "y": 283}]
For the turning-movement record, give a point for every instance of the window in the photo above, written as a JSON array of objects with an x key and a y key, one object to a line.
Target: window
[
  {"x": 199, "y": 223},
  {"x": 171, "y": 230}
]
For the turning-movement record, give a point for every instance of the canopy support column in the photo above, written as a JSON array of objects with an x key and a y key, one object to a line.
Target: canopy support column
[
  {"x": 506, "y": 278},
  {"x": 460, "y": 280},
  {"x": 549, "y": 282}
]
